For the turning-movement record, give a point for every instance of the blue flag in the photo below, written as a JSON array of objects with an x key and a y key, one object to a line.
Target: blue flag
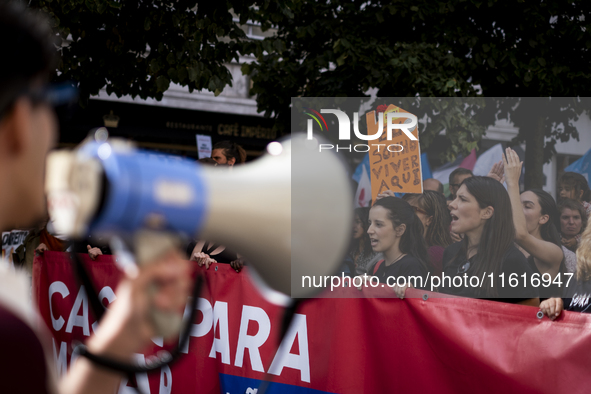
[
  {"x": 582, "y": 166},
  {"x": 425, "y": 167}
]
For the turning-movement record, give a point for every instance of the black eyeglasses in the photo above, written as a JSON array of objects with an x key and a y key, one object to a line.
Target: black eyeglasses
[{"x": 54, "y": 95}]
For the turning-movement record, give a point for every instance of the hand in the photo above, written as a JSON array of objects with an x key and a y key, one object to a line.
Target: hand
[
  {"x": 569, "y": 243},
  {"x": 455, "y": 236},
  {"x": 127, "y": 326},
  {"x": 552, "y": 307},
  {"x": 93, "y": 252},
  {"x": 238, "y": 264},
  {"x": 202, "y": 259},
  {"x": 40, "y": 249},
  {"x": 400, "y": 290},
  {"x": 512, "y": 167},
  {"x": 387, "y": 193},
  {"x": 497, "y": 172}
]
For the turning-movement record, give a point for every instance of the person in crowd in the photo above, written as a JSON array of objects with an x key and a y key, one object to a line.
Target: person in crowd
[
  {"x": 577, "y": 295},
  {"x": 43, "y": 237},
  {"x": 576, "y": 187},
  {"x": 360, "y": 258},
  {"x": 481, "y": 212},
  {"x": 201, "y": 251},
  {"x": 573, "y": 221},
  {"x": 397, "y": 232},
  {"x": 536, "y": 219},
  {"x": 28, "y": 130},
  {"x": 433, "y": 184},
  {"x": 228, "y": 153},
  {"x": 207, "y": 253},
  {"x": 456, "y": 178},
  {"x": 431, "y": 209}
]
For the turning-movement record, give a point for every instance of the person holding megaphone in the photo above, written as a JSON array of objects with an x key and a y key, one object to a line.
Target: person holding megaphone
[{"x": 28, "y": 129}]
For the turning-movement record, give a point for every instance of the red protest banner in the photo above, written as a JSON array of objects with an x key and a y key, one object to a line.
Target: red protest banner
[{"x": 338, "y": 345}]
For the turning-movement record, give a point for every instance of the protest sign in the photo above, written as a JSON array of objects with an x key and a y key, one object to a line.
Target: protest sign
[
  {"x": 203, "y": 145},
  {"x": 10, "y": 241},
  {"x": 395, "y": 164}
]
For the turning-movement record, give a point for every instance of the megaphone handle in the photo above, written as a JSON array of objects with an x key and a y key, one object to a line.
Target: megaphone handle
[{"x": 149, "y": 247}]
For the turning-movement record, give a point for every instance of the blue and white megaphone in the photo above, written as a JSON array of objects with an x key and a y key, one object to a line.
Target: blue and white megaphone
[{"x": 288, "y": 213}]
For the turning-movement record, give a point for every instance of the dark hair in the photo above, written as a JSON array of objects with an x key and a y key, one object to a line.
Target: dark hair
[
  {"x": 362, "y": 246},
  {"x": 549, "y": 230},
  {"x": 498, "y": 233},
  {"x": 232, "y": 151},
  {"x": 578, "y": 182},
  {"x": 435, "y": 205},
  {"x": 459, "y": 171},
  {"x": 412, "y": 241},
  {"x": 30, "y": 52},
  {"x": 574, "y": 205}
]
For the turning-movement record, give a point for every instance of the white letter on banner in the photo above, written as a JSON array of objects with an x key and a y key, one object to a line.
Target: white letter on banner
[
  {"x": 221, "y": 345},
  {"x": 57, "y": 287},
  {"x": 109, "y": 294},
  {"x": 254, "y": 342},
  {"x": 141, "y": 378},
  {"x": 203, "y": 328},
  {"x": 79, "y": 320},
  {"x": 406, "y": 128},
  {"x": 61, "y": 359},
  {"x": 165, "y": 380},
  {"x": 284, "y": 358}
]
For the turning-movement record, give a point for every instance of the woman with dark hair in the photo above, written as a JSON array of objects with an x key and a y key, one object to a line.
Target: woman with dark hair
[
  {"x": 536, "y": 221},
  {"x": 482, "y": 212},
  {"x": 397, "y": 232},
  {"x": 576, "y": 187},
  {"x": 361, "y": 258},
  {"x": 431, "y": 209}
]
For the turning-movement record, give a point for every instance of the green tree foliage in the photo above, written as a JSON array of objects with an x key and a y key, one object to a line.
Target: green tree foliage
[
  {"x": 138, "y": 48},
  {"x": 442, "y": 49}
]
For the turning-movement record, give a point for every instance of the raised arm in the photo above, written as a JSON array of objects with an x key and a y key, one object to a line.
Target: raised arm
[{"x": 548, "y": 255}]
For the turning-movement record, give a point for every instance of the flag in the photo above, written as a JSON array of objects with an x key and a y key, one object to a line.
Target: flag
[
  {"x": 425, "y": 167},
  {"x": 363, "y": 195},
  {"x": 360, "y": 168},
  {"x": 487, "y": 159},
  {"x": 582, "y": 166},
  {"x": 469, "y": 161},
  {"x": 442, "y": 173}
]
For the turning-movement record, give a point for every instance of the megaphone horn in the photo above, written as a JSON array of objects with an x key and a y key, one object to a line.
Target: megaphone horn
[{"x": 288, "y": 213}]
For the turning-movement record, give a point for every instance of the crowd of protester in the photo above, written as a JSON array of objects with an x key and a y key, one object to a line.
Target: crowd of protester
[{"x": 483, "y": 228}]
